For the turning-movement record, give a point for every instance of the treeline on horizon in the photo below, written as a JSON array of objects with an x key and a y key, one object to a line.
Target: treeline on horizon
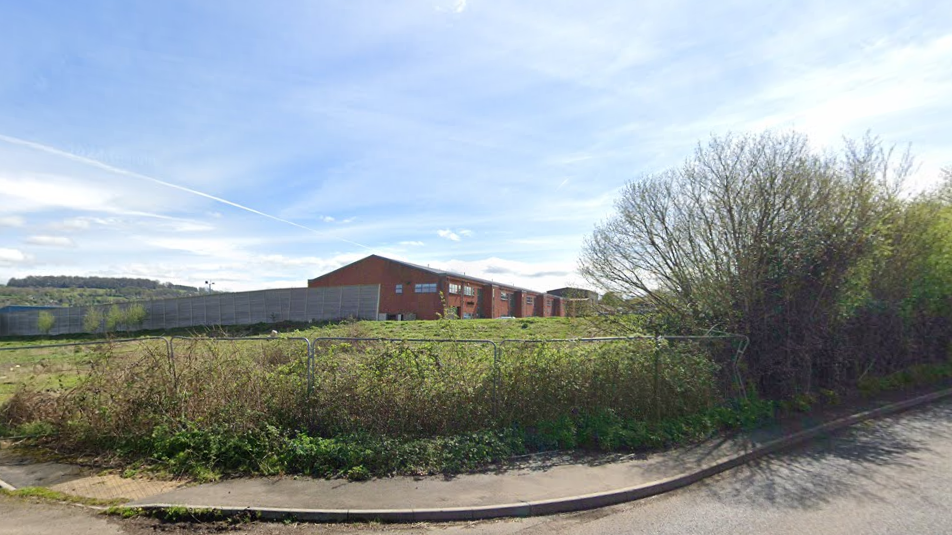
[{"x": 103, "y": 283}]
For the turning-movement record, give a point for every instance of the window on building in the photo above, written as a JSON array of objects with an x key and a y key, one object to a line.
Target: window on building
[
  {"x": 467, "y": 316},
  {"x": 454, "y": 288},
  {"x": 503, "y": 296},
  {"x": 429, "y": 288},
  {"x": 529, "y": 301},
  {"x": 468, "y": 291},
  {"x": 398, "y": 288}
]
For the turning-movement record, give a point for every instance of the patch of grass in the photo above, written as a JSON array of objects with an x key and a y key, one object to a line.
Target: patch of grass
[
  {"x": 914, "y": 376},
  {"x": 180, "y": 514},
  {"x": 123, "y": 511},
  {"x": 359, "y": 457},
  {"x": 606, "y": 431},
  {"x": 472, "y": 329},
  {"x": 34, "y": 429},
  {"x": 45, "y": 494}
]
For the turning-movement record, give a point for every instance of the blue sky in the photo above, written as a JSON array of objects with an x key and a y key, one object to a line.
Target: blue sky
[{"x": 259, "y": 144}]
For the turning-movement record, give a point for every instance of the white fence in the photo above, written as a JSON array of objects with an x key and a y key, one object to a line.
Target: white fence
[{"x": 242, "y": 308}]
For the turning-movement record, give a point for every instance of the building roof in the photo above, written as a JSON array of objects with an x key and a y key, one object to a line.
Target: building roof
[{"x": 442, "y": 272}]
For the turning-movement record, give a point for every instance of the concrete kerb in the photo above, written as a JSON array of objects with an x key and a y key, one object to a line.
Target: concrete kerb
[{"x": 559, "y": 505}]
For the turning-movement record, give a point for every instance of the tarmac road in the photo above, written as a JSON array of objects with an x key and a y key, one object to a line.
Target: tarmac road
[{"x": 890, "y": 476}]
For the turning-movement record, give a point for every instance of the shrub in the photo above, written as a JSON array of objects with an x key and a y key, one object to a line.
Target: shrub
[{"x": 45, "y": 321}]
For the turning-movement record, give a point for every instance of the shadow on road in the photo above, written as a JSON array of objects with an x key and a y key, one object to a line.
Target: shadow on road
[{"x": 842, "y": 464}]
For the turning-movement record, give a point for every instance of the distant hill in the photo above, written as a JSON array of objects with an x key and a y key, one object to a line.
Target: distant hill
[
  {"x": 58, "y": 290},
  {"x": 103, "y": 283}
]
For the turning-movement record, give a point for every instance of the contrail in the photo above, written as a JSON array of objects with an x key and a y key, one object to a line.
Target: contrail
[{"x": 132, "y": 174}]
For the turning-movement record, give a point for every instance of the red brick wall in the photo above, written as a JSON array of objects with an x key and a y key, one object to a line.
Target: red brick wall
[
  {"x": 427, "y": 306},
  {"x": 463, "y": 304},
  {"x": 376, "y": 270}
]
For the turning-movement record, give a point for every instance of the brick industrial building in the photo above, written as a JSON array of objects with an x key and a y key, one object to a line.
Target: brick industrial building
[{"x": 409, "y": 291}]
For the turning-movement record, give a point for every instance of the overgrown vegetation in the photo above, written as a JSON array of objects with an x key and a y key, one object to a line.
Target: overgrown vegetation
[
  {"x": 378, "y": 408},
  {"x": 814, "y": 255}
]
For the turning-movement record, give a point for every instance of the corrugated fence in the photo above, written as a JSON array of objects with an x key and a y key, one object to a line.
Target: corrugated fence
[{"x": 242, "y": 308}]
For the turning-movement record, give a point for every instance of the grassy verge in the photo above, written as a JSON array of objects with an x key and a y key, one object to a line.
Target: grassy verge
[
  {"x": 44, "y": 494},
  {"x": 207, "y": 454}
]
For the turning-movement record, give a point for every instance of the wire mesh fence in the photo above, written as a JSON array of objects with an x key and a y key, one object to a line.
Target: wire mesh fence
[
  {"x": 416, "y": 387},
  {"x": 540, "y": 380},
  {"x": 402, "y": 386},
  {"x": 637, "y": 377}
]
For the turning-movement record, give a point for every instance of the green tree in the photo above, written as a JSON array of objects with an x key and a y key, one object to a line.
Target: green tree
[
  {"x": 755, "y": 234},
  {"x": 93, "y": 320},
  {"x": 45, "y": 321},
  {"x": 135, "y": 315},
  {"x": 115, "y": 318}
]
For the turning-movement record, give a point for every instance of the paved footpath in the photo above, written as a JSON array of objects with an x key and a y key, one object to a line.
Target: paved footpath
[{"x": 533, "y": 485}]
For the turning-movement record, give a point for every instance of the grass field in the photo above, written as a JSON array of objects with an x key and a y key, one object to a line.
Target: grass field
[
  {"x": 58, "y": 368},
  {"x": 477, "y": 329}
]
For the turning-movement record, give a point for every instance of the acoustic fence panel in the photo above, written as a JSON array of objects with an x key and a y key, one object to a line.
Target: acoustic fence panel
[{"x": 242, "y": 308}]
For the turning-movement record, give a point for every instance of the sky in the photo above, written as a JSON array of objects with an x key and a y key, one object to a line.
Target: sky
[{"x": 259, "y": 144}]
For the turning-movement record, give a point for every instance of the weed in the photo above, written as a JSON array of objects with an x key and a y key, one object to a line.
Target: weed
[
  {"x": 177, "y": 513},
  {"x": 45, "y": 494},
  {"x": 123, "y": 511},
  {"x": 358, "y": 473}
]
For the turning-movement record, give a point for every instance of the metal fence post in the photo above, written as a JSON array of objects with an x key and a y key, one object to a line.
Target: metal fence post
[
  {"x": 657, "y": 378},
  {"x": 310, "y": 368},
  {"x": 496, "y": 350}
]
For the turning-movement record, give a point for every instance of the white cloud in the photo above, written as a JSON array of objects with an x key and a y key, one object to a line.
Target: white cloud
[
  {"x": 327, "y": 219},
  {"x": 50, "y": 241},
  {"x": 223, "y": 247},
  {"x": 466, "y": 232},
  {"x": 186, "y": 226},
  {"x": 73, "y": 224},
  {"x": 11, "y": 221},
  {"x": 412, "y": 243},
  {"x": 538, "y": 276},
  {"x": 13, "y": 256},
  {"x": 448, "y": 234},
  {"x": 38, "y": 192}
]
